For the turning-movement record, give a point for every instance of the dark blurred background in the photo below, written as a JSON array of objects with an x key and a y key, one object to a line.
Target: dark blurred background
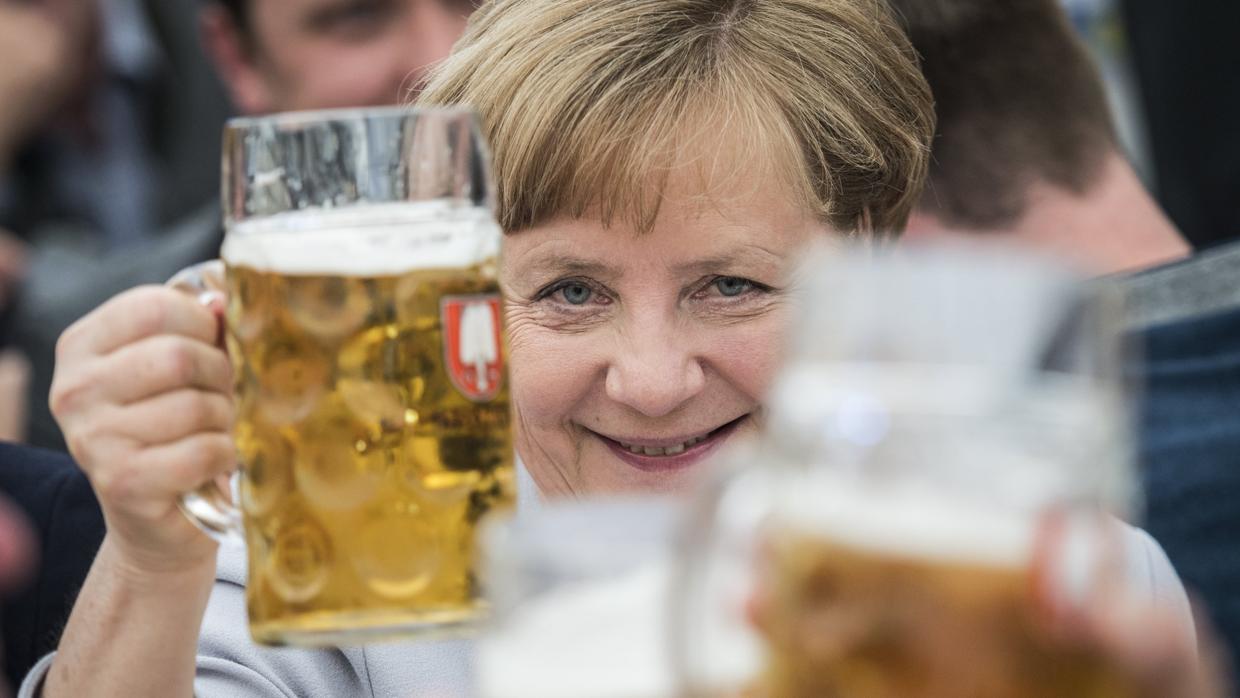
[{"x": 1175, "y": 82}]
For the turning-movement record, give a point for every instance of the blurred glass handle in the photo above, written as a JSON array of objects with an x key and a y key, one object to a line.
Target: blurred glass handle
[
  {"x": 210, "y": 507},
  {"x": 714, "y": 649},
  {"x": 696, "y": 544}
]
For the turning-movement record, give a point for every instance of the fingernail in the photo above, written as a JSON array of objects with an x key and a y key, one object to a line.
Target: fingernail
[
  {"x": 214, "y": 300},
  {"x": 1078, "y": 560},
  {"x": 1067, "y": 564}
]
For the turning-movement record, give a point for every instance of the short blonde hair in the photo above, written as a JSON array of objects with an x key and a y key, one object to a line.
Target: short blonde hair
[{"x": 584, "y": 102}]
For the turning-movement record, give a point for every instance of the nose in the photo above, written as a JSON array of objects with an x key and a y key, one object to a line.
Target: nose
[
  {"x": 655, "y": 370},
  {"x": 436, "y": 27}
]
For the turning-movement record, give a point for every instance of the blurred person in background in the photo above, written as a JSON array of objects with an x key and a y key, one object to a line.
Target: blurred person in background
[
  {"x": 1025, "y": 145},
  {"x": 1025, "y": 151},
  {"x": 1188, "y": 314},
  {"x": 287, "y": 55},
  {"x": 645, "y": 279},
  {"x": 17, "y": 557},
  {"x": 273, "y": 55},
  {"x": 108, "y": 111},
  {"x": 101, "y": 133},
  {"x": 49, "y": 491}
]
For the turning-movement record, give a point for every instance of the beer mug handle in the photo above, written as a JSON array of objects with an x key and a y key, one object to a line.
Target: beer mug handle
[
  {"x": 210, "y": 507},
  {"x": 714, "y": 580}
]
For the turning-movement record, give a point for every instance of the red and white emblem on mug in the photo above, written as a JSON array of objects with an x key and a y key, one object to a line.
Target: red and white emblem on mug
[{"x": 472, "y": 346}]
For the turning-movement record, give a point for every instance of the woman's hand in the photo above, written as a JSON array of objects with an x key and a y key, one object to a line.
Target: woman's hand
[
  {"x": 1149, "y": 643},
  {"x": 1149, "y": 646},
  {"x": 1151, "y": 640},
  {"x": 142, "y": 391}
]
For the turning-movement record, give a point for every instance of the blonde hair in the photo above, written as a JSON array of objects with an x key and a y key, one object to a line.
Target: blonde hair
[{"x": 586, "y": 102}]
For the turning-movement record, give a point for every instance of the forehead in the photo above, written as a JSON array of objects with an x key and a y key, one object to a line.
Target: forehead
[{"x": 708, "y": 217}]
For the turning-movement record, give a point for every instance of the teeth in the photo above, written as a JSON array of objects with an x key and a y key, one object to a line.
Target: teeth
[{"x": 668, "y": 451}]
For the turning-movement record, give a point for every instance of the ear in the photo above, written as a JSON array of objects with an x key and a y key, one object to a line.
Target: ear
[{"x": 235, "y": 60}]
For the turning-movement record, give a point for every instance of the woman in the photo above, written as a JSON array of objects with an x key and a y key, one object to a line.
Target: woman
[{"x": 660, "y": 163}]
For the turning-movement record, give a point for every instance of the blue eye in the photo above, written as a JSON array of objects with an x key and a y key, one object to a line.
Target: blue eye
[
  {"x": 731, "y": 286},
  {"x": 576, "y": 294}
]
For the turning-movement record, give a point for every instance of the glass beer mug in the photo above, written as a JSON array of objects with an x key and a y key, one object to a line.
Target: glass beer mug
[
  {"x": 940, "y": 455},
  {"x": 364, "y": 327}
]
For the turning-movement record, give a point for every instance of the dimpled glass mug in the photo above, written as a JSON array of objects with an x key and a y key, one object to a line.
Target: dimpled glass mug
[{"x": 364, "y": 325}]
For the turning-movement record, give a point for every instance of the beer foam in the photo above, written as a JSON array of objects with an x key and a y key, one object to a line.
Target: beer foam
[
  {"x": 908, "y": 521},
  {"x": 372, "y": 240}
]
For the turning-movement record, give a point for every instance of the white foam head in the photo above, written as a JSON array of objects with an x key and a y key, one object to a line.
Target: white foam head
[
  {"x": 372, "y": 240},
  {"x": 912, "y": 521}
]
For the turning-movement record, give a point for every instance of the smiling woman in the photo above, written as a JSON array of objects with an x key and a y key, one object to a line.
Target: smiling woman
[{"x": 660, "y": 164}]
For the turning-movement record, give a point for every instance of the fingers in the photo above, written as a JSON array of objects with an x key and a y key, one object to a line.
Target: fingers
[
  {"x": 1217, "y": 677},
  {"x": 140, "y": 371},
  {"x": 148, "y": 484},
  {"x": 1088, "y": 604},
  {"x": 1150, "y": 644},
  {"x": 165, "y": 363},
  {"x": 142, "y": 393},
  {"x": 189, "y": 463},
  {"x": 172, "y": 416},
  {"x": 136, "y": 314}
]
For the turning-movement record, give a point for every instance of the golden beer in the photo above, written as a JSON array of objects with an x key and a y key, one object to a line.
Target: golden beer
[
  {"x": 903, "y": 613},
  {"x": 373, "y": 428}
]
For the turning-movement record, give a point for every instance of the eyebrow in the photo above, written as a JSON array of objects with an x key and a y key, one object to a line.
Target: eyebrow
[
  {"x": 560, "y": 265},
  {"x": 739, "y": 256}
]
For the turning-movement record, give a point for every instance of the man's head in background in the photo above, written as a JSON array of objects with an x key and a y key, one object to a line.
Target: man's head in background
[
  {"x": 283, "y": 55},
  {"x": 1025, "y": 144}
]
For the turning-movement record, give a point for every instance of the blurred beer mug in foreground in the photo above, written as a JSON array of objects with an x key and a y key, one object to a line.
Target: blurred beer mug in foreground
[
  {"x": 580, "y": 593},
  {"x": 364, "y": 326},
  {"x": 942, "y": 448}
]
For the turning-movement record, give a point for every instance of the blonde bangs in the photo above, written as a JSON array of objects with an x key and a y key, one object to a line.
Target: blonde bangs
[{"x": 590, "y": 106}]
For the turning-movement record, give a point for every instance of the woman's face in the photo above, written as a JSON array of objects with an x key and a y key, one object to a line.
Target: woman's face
[{"x": 636, "y": 356}]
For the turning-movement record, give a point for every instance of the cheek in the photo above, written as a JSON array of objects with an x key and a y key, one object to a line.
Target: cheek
[
  {"x": 551, "y": 372},
  {"x": 749, "y": 355}
]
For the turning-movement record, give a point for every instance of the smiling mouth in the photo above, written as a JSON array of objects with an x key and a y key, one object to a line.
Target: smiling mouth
[{"x": 659, "y": 455}]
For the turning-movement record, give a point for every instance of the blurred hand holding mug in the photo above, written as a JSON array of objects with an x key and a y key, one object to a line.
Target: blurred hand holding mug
[{"x": 930, "y": 505}]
